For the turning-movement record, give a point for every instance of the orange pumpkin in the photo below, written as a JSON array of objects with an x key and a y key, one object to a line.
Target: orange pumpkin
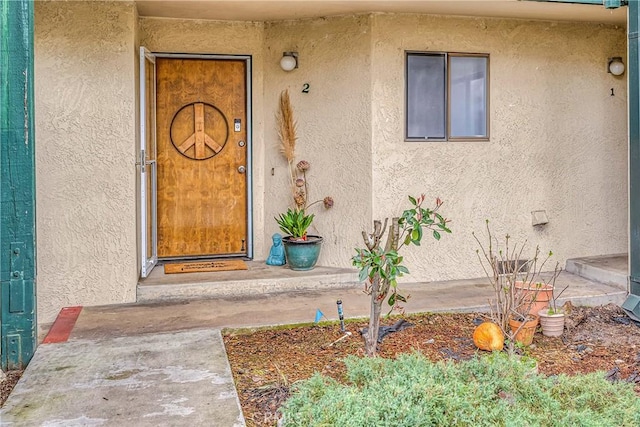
[{"x": 488, "y": 337}]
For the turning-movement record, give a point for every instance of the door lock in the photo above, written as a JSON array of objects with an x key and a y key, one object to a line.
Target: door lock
[
  {"x": 241, "y": 169},
  {"x": 241, "y": 143}
]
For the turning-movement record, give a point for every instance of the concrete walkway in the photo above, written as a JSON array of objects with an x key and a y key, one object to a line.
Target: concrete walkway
[
  {"x": 164, "y": 364},
  {"x": 178, "y": 379}
]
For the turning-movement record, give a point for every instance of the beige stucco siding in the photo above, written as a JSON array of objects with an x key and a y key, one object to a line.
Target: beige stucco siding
[
  {"x": 334, "y": 125},
  {"x": 223, "y": 38},
  {"x": 333, "y": 118},
  {"x": 85, "y": 154},
  {"x": 558, "y": 139}
]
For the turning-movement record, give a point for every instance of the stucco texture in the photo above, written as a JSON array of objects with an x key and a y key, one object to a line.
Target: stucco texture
[
  {"x": 558, "y": 139},
  {"x": 333, "y": 122},
  {"x": 222, "y": 38},
  {"x": 85, "y": 154},
  {"x": 333, "y": 118}
]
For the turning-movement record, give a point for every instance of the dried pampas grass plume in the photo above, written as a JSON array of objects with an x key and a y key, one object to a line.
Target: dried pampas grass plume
[{"x": 287, "y": 127}]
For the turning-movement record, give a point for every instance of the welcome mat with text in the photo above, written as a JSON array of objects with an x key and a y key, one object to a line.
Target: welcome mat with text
[{"x": 203, "y": 266}]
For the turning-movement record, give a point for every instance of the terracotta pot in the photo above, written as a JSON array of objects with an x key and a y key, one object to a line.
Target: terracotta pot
[
  {"x": 525, "y": 334},
  {"x": 536, "y": 296},
  {"x": 552, "y": 324}
]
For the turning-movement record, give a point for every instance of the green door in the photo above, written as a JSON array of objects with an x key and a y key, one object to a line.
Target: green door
[{"x": 17, "y": 186}]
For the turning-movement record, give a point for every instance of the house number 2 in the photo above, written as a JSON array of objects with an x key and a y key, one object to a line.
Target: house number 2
[{"x": 305, "y": 88}]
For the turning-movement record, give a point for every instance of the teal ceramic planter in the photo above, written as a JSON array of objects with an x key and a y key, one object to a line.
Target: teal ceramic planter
[{"x": 302, "y": 254}]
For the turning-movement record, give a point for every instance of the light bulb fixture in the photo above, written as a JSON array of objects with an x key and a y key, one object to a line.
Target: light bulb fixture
[
  {"x": 289, "y": 61},
  {"x": 615, "y": 66}
]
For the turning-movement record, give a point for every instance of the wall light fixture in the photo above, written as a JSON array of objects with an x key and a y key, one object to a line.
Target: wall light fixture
[
  {"x": 289, "y": 61},
  {"x": 615, "y": 66}
]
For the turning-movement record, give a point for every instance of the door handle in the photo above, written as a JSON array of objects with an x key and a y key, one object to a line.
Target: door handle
[{"x": 241, "y": 169}]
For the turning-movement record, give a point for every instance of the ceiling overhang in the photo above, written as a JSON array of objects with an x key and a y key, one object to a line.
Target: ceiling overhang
[{"x": 280, "y": 10}]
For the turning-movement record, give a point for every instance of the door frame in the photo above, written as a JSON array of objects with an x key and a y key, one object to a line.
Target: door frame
[
  {"x": 249, "y": 172},
  {"x": 249, "y": 123},
  {"x": 147, "y": 164}
]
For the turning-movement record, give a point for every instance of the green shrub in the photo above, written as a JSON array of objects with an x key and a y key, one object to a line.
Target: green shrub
[{"x": 486, "y": 391}]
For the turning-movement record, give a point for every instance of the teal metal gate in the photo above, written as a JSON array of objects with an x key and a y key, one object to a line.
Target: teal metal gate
[
  {"x": 632, "y": 304},
  {"x": 17, "y": 186},
  {"x": 633, "y": 26}
]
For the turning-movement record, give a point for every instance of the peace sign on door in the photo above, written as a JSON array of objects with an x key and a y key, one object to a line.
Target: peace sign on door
[{"x": 209, "y": 130}]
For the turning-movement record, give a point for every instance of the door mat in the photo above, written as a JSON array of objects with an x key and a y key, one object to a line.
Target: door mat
[{"x": 203, "y": 266}]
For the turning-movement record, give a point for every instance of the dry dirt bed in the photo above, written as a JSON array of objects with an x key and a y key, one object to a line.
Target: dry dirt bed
[
  {"x": 265, "y": 362},
  {"x": 7, "y": 384}
]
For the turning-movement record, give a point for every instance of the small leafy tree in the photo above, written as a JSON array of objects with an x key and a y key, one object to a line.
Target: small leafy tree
[{"x": 381, "y": 266}]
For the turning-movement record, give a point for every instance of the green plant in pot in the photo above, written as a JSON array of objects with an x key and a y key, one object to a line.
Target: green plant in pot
[
  {"x": 295, "y": 223},
  {"x": 301, "y": 249}
]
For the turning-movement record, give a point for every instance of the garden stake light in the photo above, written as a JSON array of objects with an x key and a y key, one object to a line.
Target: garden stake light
[{"x": 340, "y": 315}]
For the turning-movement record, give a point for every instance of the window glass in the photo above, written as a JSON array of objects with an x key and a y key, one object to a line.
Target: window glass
[
  {"x": 468, "y": 96},
  {"x": 426, "y": 96}
]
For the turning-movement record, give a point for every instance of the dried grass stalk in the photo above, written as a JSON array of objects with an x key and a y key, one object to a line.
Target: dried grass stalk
[{"x": 287, "y": 127}]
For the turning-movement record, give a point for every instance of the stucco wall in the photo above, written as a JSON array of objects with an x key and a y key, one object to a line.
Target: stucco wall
[
  {"x": 558, "y": 139},
  {"x": 222, "y": 38},
  {"x": 85, "y": 154},
  {"x": 333, "y": 118},
  {"x": 334, "y": 125}
]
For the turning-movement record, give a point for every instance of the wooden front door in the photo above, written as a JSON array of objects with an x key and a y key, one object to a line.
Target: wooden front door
[{"x": 202, "y": 157}]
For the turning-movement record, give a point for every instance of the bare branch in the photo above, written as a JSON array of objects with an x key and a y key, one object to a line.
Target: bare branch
[{"x": 394, "y": 234}]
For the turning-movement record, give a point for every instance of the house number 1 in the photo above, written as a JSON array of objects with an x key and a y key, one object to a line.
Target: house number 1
[{"x": 305, "y": 88}]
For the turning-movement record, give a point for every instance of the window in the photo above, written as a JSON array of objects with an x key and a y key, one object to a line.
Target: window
[{"x": 447, "y": 96}]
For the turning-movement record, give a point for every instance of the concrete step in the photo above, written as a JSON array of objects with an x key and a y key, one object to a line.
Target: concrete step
[
  {"x": 609, "y": 269},
  {"x": 263, "y": 309},
  {"x": 258, "y": 279},
  {"x": 261, "y": 279}
]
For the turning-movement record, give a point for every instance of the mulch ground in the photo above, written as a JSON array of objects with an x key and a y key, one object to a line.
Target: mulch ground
[
  {"x": 266, "y": 362},
  {"x": 7, "y": 384}
]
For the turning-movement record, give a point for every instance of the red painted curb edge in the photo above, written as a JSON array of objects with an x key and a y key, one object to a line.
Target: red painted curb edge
[{"x": 62, "y": 327}]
